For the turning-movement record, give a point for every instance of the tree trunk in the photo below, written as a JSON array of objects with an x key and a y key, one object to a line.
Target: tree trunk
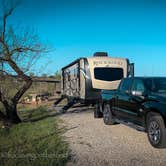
[
  {"x": 2, "y": 116},
  {"x": 12, "y": 116}
]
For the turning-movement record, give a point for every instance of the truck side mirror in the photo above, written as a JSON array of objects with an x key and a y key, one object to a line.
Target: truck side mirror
[{"x": 137, "y": 93}]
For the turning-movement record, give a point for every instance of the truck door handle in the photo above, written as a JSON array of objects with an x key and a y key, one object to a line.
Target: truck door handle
[{"x": 132, "y": 99}]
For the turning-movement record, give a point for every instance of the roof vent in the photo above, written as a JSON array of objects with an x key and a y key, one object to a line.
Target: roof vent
[{"x": 100, "y": 54}]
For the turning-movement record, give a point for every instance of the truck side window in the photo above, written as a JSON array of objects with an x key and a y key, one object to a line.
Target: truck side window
[
  {"x": 125, "y": 85},
  {"x": 138, "y": 85}
]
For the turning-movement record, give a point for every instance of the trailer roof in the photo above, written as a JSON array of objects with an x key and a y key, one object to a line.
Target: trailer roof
[
  {"x": 72, "y": 63},
  {"x": 96, "y": 57}
]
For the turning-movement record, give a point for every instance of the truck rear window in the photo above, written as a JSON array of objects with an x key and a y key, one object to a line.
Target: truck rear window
[{"x": 108, "y": 74}]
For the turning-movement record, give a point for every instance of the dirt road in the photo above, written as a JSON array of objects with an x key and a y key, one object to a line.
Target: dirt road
[{"x": 93, "y": 143}]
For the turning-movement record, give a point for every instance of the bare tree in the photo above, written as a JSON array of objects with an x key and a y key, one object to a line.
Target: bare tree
[{"x": 18, "y": 50}]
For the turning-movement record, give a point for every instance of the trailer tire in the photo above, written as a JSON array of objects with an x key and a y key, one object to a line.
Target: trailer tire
[
  {"x": 107, "y": 115},
  {"x": 98, "y": 111}
]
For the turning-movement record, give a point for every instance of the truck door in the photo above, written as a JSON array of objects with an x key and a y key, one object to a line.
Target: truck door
[
  {"x": 136, "y": 100},
  {"x": 129, "y": 104},
  {"x": 122, "y": 99}
]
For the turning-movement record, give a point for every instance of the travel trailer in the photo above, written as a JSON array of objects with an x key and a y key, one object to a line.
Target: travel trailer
[{"x": 83, "y": 79}]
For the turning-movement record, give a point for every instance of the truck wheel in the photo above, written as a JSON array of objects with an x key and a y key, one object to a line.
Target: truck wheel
[
  {"x": 107, "y": 115},
  {"x": 98, "y": 111},
  {"x": 156, "y": 130}
]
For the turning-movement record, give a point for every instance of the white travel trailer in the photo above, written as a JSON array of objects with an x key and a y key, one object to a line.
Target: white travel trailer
[{"x": 83, "y": 79}]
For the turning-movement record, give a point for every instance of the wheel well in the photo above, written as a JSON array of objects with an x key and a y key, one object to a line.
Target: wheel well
[
  {"x": 106, "y": 102},
  {"x": 151, "y": 112}
]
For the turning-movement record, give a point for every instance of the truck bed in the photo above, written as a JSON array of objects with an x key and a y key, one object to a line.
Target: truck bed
[{"x": 108, "y": 94}]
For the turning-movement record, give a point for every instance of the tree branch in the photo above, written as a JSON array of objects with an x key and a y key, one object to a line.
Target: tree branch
[
  {"x": 5, "y": 72},
  {"x": 4, "y": 44},
  {"x": 3, "y": 59},
  {"x": 26, "y": 49},
  {"x": 21, "y": 91},
  {"x": 26, "y": 78},
  {"x": 2, "y": 99},
  {"x": 4, "y": 102},
  {"x": 5, "y": 16},
  {"x": 20, "y": 73}
]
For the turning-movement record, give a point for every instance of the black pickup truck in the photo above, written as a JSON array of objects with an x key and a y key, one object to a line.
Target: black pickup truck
[{"x": 139, "y": 102}]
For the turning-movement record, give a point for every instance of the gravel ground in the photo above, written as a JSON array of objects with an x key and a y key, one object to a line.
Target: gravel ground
[{"x": 93, "y": 143}]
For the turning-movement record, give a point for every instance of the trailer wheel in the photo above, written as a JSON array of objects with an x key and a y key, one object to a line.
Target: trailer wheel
[
  {"x": 107, "y": 115},
  {"x": 98, "y": 111}
]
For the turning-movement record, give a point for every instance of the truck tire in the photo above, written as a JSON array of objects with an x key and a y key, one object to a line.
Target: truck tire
[
  {"x": 107, "y": 115},
  {"x": 156, "y": 130},
  {"x": 98, "y": 111}
]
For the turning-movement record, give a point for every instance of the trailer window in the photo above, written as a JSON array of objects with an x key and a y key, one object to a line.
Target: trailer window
[{"x": 108, "y": 74}]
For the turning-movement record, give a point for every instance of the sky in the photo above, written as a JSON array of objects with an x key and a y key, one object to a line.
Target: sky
[{"x": 133, "y": 29}]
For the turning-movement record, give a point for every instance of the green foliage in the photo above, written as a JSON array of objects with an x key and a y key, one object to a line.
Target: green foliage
[
  {"x": 44, "y": 75},
  {"x": 10, "y": 86},
  {"x": 34, "y": 143},
  {"x": 39, "y": 88},
  {"x": 58, "y": 75},
  {"x": 31, "y": 74}
]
